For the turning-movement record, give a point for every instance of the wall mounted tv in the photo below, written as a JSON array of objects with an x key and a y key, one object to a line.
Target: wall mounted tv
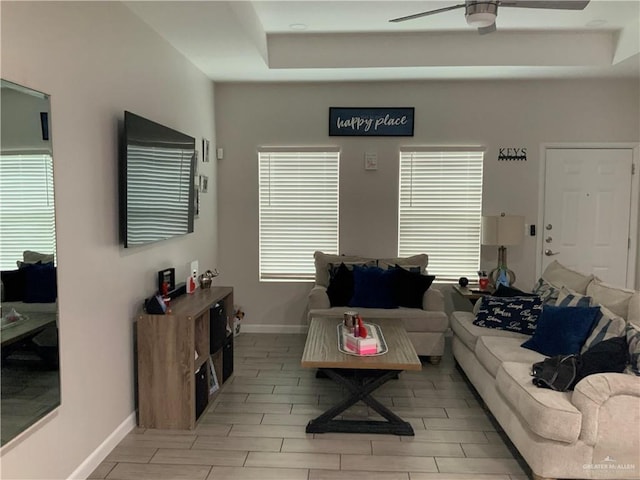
[{"x": 157, "y": 168}]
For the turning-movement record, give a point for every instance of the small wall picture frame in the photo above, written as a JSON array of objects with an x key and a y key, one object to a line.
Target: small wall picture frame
[
  {"x": 205, "y": 150},
  {"x": 196, "y": 201},
  {"x": 204, "y": 183}
]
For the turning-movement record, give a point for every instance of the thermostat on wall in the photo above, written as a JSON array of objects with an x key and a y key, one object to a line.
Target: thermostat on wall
[{"x": 370, "y": 161}]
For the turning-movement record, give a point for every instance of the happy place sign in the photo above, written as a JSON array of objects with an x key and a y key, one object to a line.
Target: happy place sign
[{"x": 365, "y": 121}]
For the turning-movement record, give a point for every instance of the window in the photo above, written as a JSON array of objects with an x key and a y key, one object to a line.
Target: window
[
  {"x": 298, "y": 210},
  {"x": 440, "y": 209},
  {"x": 27, "y": 216}
]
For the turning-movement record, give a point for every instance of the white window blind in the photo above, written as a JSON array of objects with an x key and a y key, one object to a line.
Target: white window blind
[
  {"x": 298, "y": 211},
  {"x": 27, "y": 213},
  {"x": 440, "y": 209}
]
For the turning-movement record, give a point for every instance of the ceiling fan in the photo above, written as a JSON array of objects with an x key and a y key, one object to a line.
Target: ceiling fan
[{"x": 482, "y": 14}]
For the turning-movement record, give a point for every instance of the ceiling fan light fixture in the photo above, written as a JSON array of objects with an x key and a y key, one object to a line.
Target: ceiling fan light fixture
[
  {"x": 481, "y": 14},
  {"x": 481, "y": 19}
]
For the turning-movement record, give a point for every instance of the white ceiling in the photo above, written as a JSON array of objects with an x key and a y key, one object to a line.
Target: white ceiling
[{"x": 353, "y": 40}]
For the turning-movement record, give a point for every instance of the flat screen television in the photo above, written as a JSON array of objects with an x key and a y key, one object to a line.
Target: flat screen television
[{"x": 157, "y": 168}]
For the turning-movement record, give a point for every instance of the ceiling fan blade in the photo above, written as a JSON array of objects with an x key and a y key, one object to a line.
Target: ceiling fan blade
[
  {"x": 484, "y": 30},
  {"x": 424, "y": 14},
  {"x": 550, "y": 4}
]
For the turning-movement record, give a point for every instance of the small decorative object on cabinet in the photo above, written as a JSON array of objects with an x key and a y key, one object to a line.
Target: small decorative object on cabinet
[{"x": 173, "y": 387}]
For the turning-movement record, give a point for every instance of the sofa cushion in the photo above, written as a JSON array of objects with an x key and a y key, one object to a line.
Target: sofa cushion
[
  {"x": 547, "y": 413},
  {"x": 493, "y": 351},
  {"x": 322, "y": 261},
  {"x": 373, "y": 287},
  {"x": 517, "y": 314},
  {"x": 462, "y": 325},
  {"x": 30, "y": 256},
  {"x": 409, "y": 287},
  {"x": 413, "y": 319},
  {"x": 608, "y": 325},
  {"x": 559, "y": 275},
  {"x": 436, "y": 322},
  {"x": 562, "y": 330},
  {"x": 420, "y": 261},
  {"x": 615, "y": 299}
]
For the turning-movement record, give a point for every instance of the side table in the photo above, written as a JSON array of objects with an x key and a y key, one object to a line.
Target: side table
[{"x": 471, "y": 294}]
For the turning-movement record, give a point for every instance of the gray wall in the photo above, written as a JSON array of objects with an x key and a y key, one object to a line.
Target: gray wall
[
  {"x": 97, "y": 59},
  {"x": 490, "y": 113}
]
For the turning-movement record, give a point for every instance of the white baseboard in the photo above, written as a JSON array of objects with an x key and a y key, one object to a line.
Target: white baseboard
[
  {"x": 249, "y": 328},
  {"x": 100, "y": 453}
]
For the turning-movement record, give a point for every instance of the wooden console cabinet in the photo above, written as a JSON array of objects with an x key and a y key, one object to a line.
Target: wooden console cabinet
[{"x": 171, "y": 349}]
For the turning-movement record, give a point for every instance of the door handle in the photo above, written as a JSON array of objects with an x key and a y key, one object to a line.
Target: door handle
[{"x": 548, "y": 252}]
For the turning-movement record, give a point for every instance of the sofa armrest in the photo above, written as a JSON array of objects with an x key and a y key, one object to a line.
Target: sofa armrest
[
  {"x": 610, "y": 407},
  {"x": 318, "y": 298},
  {"x": 433, "y": 300}
]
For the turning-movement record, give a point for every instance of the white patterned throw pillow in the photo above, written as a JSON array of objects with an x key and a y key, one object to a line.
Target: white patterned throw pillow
[
  {"x": 570, "y": 298},
  {"x": 633, "y": 340},
  {"x": 547, "y": 292},
  {"x": 609, "y": 325}
]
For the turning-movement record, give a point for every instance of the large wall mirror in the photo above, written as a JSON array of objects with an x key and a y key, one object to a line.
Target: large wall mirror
[{"x": 30, "y": 375}]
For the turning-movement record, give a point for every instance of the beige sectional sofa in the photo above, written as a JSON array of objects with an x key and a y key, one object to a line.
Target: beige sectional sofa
[
  {"x": 426, "y": 326},
  {"x": 591, "y": 432}
]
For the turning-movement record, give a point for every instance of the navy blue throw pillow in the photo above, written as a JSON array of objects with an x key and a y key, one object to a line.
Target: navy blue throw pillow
[
  {"x": 373, "y": 288},
  {"x": 13, "y": 285},
  {"x": 504, "y": 291},
  {"x": 516, "y": 314},
  {"x": 562, "y": 330},
  {"x": 409, "y": 287},
  {"x": 340, "y": 289},
  {"x": 40, "y": 283}
]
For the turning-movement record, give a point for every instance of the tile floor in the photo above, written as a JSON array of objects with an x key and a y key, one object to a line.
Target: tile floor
[
  {"x": 30, "y": 390},
  {"x": 255, "y": 429}
]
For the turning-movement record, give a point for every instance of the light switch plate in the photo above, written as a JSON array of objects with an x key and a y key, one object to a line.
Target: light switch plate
[
  {"x": 370, "y": 161},
  {"x": 194, "y": 269}
]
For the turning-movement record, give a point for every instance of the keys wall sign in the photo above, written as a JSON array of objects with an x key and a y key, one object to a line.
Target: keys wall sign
[
  {"x": 517, "y": 154},
  {"x": 366, "y": 121}
]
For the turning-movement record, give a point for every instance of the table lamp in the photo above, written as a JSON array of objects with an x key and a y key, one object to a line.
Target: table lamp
[{"x": 502, "y": 230}]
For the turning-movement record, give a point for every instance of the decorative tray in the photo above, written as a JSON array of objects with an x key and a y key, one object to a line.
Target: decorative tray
[
  {"x": 5, "y": 323},
  {"x": 373, "y": 329}
]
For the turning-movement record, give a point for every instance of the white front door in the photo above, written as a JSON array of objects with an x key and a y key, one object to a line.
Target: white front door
[{"x": 587, "y": 207}]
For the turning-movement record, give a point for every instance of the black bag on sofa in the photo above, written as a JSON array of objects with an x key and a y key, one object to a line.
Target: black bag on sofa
[
  {"x": 563, "y": 372},
  {"x": 557, "y": 373}
]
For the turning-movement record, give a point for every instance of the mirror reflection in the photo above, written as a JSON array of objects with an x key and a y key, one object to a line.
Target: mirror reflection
[{"x": 30, "y": 375}]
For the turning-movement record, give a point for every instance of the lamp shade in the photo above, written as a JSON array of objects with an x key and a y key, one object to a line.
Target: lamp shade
[{"x": 502, "y": 230}]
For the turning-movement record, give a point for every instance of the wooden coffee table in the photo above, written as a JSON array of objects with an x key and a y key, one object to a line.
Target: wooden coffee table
[
  {"x": 29, "y": 327},
  {"x": 361, "y": 375}
]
